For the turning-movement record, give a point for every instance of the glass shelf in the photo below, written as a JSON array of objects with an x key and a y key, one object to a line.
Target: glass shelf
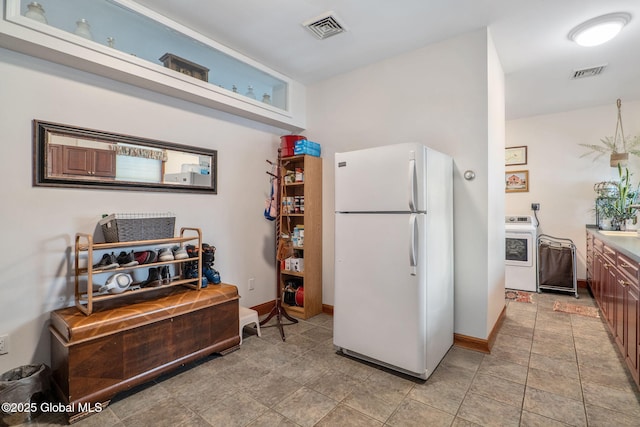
[{"x": 125, "y": 31}]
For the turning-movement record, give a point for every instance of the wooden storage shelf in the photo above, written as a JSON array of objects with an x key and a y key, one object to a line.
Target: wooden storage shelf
[
  {"x": 310, "y": 217},
  {"x": 84, "y": 244}
]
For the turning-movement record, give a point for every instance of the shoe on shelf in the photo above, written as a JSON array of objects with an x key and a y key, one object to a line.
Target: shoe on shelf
[
  {"x": 192, "y": 251},
  {"x": 141, "y": 257},
  {"x": 153, "y": 280},
  {"x": 107, "y": 262},
  {"x": 165, "y": 254},
  {"x": 153, "y": 257},
  {"x": 165, "y": 274},
  {"x": 127, "y": 259},
  {"x": 179, "y": 252}
]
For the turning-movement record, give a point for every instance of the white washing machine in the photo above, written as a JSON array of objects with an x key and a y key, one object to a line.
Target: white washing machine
[{"x": 520, "y": 256}]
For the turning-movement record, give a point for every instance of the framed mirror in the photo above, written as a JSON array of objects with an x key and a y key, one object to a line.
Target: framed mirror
[{"x": 68, "y": 156}]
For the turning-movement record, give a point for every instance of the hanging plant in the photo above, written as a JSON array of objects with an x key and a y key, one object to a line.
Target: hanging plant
[{"x": 618, "y": 147}]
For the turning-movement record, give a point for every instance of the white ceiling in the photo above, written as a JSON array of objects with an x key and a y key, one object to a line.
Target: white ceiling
[{"x": 530, "y": 37}]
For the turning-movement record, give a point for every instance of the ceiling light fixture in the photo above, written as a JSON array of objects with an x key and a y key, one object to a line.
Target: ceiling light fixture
[{"x": 599, "y": 30}]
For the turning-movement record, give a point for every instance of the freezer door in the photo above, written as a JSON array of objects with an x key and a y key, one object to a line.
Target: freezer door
[
  {"x": 380, "y": 289},
  {"x": 381, "y": 179}
]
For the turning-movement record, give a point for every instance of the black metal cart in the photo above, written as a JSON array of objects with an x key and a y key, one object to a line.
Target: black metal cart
[{"x": 556, "y": 260}]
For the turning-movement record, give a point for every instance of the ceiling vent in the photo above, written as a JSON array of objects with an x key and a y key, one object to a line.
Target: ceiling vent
[
  {"x": 588, "y": 72},
  {"x": 324, "y": 26}
]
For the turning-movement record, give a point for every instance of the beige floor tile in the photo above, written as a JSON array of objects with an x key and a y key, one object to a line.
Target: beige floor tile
[
  {"x": 567, "y": 368},
  {"x": 237, "y": 410},
  {"x": 413, "y": 413},
  {"x": 272, "y": 389},
  {"x": 530, "y": 419},
  {"x": 554, "y": 383},
  {"x": 306, "y": 407},
  {"x": 445, "y": 389},
  {"x": 463, "y": 358},
  {"x": 554, "y": 406},
  {"x": 625, "y": 402},
  {"x": 335, "y": 385},
  {"x": 601, "y": 417},
  {"x": 343, "y": 415},
  {"x": 271, "y": 418},
  {"x": 498, "y": 389},
  {"x": 370, "y": 403},
  {"x": 555, "y": 350},
  {"x": 488, "y": 412},
  {"x": 492, "y": 365},
  {"x": 167, "y": 413}
]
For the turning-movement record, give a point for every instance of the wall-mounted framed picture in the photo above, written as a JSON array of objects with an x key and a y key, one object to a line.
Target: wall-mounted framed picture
[
  {"x": 516, "y": 181},
  {"x": 515, "y": 155}
]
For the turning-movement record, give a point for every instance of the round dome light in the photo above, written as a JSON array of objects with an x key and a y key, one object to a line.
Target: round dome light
[{"x": 599, "y": 30}]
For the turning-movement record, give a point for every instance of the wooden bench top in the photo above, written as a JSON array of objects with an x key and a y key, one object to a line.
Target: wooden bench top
[{"x": 127, "y": 312}]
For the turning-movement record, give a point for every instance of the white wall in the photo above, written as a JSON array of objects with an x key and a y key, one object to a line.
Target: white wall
[
  {"x": 559, "y": 179},
  {"x": 437, "y": 95},
  {"x": 39, "y": 223}
]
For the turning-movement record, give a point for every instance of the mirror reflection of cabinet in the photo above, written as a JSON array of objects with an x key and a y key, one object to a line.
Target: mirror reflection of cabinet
[
  {"x": 87, "y": 162},
  {"x": 73, "y": 156}
]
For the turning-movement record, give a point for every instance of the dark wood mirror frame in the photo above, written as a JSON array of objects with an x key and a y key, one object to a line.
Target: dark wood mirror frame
[{"x": 87, "y": 158}]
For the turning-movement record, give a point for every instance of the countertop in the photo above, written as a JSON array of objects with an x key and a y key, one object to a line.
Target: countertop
[{"x": 627, "y": 244}]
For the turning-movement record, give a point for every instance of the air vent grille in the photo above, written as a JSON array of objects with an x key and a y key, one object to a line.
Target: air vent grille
[
  {"x": 324, "y": 26},
  {"x": 588, "y": 72}
]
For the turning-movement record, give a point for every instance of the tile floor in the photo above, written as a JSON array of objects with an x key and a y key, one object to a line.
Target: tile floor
[{"x": 546, "y": 369}]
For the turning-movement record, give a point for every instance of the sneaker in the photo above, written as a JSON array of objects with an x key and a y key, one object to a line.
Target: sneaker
[
  {"x": 141, "y": 257},
  {"x": 127, "y": 259},
  {"x": 166, "y": 254},
  {"x": 179, "y": 252},
  {"x": 152, "y": 257},
  {"x": 107, "y": 262}
]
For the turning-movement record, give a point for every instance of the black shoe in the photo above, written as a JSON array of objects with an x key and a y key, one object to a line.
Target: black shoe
[
  {"x": 127, "y": 259},
  {"x": 153, "y": 257},
  {"x": 165, "y": 274},
  {"x": 208, "y": 255},
  {"x": 153, "y": 280},
  {"x": 107, "y": 262}
]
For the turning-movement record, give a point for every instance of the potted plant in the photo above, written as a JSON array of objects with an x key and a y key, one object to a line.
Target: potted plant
[
  {"x": 625, "y": 204},
  {"x": 618, "y": 147}
]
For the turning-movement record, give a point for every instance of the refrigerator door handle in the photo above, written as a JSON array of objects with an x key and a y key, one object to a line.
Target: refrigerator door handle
[
  {"x": 413, "y": 241},
  {"x": 413, "y": 181}
]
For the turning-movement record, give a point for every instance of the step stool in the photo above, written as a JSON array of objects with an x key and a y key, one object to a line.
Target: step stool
[{"x": 248, "y": 316}]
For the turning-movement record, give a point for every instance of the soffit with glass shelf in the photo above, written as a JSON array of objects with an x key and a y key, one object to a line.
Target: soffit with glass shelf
[{"x": 140, "y": 37}]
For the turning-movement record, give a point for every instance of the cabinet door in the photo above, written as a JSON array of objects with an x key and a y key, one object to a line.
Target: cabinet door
[
  {"x": 104, "y": 163},
  {"x": 597, "y": 275},
  {"x": 619, "y": 286},
  {"x": 632, "y": 332},
  {"x": 76, "y": 160},
  {"x": 609, "y": 290}
]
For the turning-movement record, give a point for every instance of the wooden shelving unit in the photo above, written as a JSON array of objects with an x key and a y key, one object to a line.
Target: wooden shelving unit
[
  {"x": 302, "y": 206},
  {"x": 84, "y": 298}
]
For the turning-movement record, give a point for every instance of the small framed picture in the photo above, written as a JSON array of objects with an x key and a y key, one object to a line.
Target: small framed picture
[
  {"x": 516, "y": 181},
  {"x": 515, "y": 155}
]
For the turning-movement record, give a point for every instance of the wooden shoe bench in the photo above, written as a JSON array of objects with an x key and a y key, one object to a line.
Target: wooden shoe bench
[{"x": 130, "y": 340}]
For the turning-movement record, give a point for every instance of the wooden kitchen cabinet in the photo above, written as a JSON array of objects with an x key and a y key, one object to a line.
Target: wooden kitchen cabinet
[
  {"x": 614, "y": 281},
  {"x": 84, "y": 161}
]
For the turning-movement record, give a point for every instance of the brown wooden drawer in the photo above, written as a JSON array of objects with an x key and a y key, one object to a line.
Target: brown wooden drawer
[
  {"x": 629, "y": 267},
  {"x": 610, "y": 254}
]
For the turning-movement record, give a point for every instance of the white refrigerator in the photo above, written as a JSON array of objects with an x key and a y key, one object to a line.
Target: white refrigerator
[{"x": 394, "y": 256}]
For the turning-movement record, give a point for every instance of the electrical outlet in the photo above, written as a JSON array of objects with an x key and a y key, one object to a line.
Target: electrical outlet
[
  {"x": 4, "y": 344},
  {"x": 535, "y": 206},
  {"x": 252, "y": 284}
]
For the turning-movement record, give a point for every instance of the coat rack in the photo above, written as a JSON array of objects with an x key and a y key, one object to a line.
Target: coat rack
[{"x": 278, "y": 310}]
